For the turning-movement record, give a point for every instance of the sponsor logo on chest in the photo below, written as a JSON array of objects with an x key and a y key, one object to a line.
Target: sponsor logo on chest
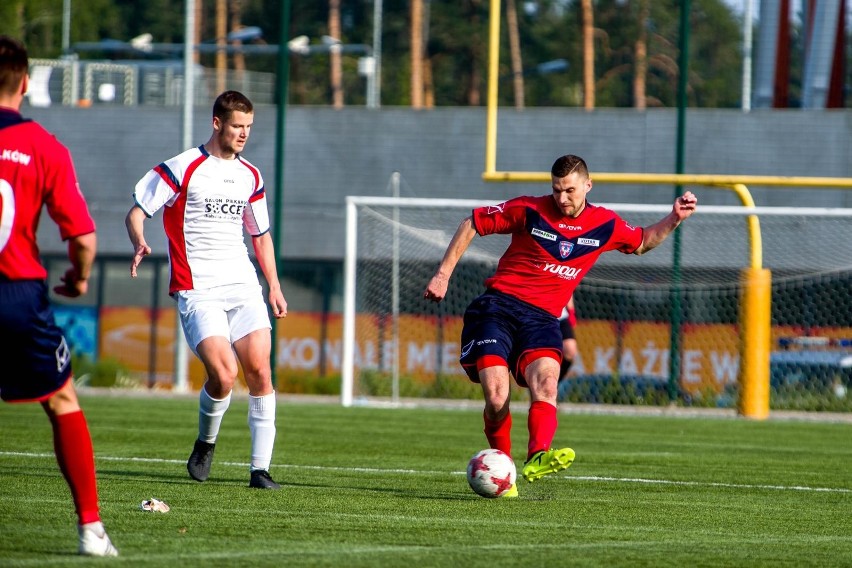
[
  {"x": 219, "y": 208},
  {"x": 543, "y": 234},
  {"x": 562, "y": 271},
  {"x": 589, "y": 242}
]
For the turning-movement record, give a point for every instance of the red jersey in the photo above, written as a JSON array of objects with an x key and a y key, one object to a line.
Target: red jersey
[
  {"x": 35, "y": 170},
  {"x": 550, "y": 253}
]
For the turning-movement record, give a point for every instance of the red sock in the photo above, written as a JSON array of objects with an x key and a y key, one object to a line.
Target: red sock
[
  {"x": 73, "y": 446},
  {"x": 542, "y": 426},
  {"x": 499, "y": 433}
]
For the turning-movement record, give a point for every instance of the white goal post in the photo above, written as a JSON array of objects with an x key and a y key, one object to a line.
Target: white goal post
[
  {"x": 397, "y": 345},
  {"x": 349, "y": 276}
]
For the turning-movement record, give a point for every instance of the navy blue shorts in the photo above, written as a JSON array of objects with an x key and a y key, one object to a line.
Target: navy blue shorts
[
  {"x": 36, "y": 358},
  {"x": 499, "y": 325}
]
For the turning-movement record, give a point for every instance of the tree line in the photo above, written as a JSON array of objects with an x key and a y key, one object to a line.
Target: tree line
[{"x": 574, "y": 53}]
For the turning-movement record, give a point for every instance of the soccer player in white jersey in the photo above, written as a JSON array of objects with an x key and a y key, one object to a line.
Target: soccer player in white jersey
[{"x": 210, "y": 194}]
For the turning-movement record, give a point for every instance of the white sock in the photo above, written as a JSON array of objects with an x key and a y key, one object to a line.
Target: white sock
[
  {"x": 97, "y": 527},
  {"x": 261, "y": 421},
  {"x": 210, "y": 413}
]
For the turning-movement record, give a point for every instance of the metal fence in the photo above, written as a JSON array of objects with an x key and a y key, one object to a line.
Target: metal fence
[{"x": 73, "y": 82}]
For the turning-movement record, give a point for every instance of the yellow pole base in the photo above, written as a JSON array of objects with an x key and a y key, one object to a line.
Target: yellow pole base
[{"x": 755, "y": 321}]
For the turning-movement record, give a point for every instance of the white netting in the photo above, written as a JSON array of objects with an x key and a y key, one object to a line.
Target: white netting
[{"x": 625, "y": 305}]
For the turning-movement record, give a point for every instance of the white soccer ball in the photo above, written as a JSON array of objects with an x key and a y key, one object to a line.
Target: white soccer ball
[{"x": 491, "y": 473}]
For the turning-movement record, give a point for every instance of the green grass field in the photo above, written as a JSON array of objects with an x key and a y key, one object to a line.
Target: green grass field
[{"x": 385, "y": 487}]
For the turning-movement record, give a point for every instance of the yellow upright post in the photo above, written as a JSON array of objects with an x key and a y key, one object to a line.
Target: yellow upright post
[
  {"x": 493, "y": 76},
  {"x": 755, "y": 316}
]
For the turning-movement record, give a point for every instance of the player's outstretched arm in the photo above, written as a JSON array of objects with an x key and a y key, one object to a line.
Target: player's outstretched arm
[
  {"x": 437, "y": 288},
  {"x": 81, "y": 253},
  {"x": 264, "y": 250},
  {"x": 134, "y": 220},
  {"x": 683, "y": 207}
]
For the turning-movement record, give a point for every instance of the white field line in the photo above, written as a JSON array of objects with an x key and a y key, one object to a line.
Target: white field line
[
  {"x": 373, "y": 470},
  {"x": 710, "y": 484}
]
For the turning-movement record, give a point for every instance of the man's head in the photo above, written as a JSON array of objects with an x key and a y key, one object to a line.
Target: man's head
[
  {"x": 231, "y": 101},
  {"x": 233, "y": 115},
  {"x": 14, "y": 66},
  {"x": 570, "y": 183}
]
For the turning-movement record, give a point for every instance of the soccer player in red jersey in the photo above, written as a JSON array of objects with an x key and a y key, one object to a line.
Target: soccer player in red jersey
[
  {"x": 514, "y": 327},
  {"x": 36, "y": 171}
]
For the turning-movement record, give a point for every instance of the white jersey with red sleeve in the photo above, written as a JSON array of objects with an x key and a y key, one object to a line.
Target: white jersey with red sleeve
[
  {"x": 35, "y": 171},
  {"x": 208, "y": 201},
  {"x": 550, "y": 253}
]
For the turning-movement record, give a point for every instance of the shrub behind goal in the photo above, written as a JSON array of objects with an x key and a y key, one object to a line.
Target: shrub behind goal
[{"x": 399, "y": 345}]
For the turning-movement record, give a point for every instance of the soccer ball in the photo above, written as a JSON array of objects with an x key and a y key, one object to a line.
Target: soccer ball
[{"x": 491, "y": 473}]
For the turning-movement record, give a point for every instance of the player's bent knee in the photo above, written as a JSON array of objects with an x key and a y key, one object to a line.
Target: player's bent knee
[
  {"x": 545, "y": 394},
  {"x": 63, "y": 401},
  {"x": 218, "y": 382}
]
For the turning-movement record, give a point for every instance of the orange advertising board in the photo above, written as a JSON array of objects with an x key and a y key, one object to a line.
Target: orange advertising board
[
  {"x": 127, "y": 336},
  {"x": 309, "y": 344}
]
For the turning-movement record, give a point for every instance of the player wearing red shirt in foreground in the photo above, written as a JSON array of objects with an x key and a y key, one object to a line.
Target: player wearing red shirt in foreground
[
  {"x": 514, "y": 326},
  {"x": 36, "y": 171}
]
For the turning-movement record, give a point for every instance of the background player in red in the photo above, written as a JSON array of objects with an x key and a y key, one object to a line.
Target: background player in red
[
  {"x": 210, "y": 194},
  {"x": 567, "y": 323},
  {"x": 514, "y": 327},
  {"x": 36, "y": 171}
]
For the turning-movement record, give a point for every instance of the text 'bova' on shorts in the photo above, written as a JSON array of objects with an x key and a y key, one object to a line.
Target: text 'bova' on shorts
[
  {"x": 231, "y": 311},
  {"x": 34, "y": 352},
  {"x": 497, "y": 324}
]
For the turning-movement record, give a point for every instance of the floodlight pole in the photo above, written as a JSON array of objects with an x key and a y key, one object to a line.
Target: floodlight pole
[
  {"x": 747, "y": 48},
  {"x": 676, "y": 300},
  {"x": 181, "y": 357},
  {"x": 374, "y": 99},
  {"x": 66, "y": 26},
  {"x": 280, "y": 139}
]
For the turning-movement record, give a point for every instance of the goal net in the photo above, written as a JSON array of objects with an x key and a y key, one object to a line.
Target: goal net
[{"x": 664, "y": 326}]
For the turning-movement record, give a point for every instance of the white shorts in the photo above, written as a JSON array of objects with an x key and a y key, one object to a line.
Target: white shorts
[{"x": 231, "y": 311}]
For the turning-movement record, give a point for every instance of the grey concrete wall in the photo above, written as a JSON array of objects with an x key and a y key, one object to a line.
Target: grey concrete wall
[{"x": 440, "y": 153}]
